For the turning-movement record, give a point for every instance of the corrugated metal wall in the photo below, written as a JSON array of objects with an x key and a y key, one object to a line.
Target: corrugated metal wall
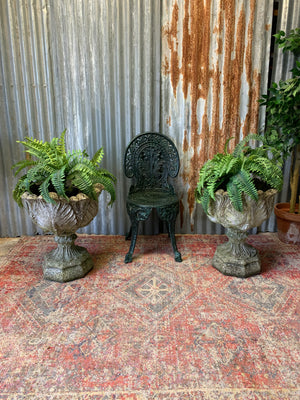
[
  {"x": 109, "y": 69},
  {"x": 92, "y": 67},
  {"x": 215, "y": 61}
]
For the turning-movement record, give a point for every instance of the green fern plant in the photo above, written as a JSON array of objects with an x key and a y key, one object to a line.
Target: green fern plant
[
  {"x": 244, "y": 171},
  {"x": 50, "y": 168},
  {"x": 282, "y": 104}
]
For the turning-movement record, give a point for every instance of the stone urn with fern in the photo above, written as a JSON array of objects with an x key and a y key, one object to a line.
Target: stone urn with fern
[
  {"x": 60, "y": 193},
  {"x": 237, "y": 190}
]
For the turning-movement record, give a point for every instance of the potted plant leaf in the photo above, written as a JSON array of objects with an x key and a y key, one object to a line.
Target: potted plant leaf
[
  {"x": 282, "y": 131},
  {"x": 60, "y": 190},
  {"x": 238, "y": 191}
]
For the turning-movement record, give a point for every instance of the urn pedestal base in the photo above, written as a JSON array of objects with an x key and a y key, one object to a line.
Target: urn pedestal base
[
  {"x": 62, "y": 218},
  {"x": 241, "y": 268},
  {"x": 68, "y": 261},
  {"x": 235, "y": 257}
]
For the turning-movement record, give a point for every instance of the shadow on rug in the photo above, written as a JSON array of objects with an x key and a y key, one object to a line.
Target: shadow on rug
[{"x": 153, "y": 329}]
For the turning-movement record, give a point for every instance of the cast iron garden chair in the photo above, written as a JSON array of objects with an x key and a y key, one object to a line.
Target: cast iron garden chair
[{"x": 150, "y": 158}]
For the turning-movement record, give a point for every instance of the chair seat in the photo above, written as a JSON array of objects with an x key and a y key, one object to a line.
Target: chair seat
[{"x": 152, "y": 198}]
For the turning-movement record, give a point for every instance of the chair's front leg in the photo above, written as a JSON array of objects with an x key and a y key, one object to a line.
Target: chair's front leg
[
  {"x": 136, "y": 214},
  {"x": 128, "y": 235},
  {"x": 134, "y": 231}
]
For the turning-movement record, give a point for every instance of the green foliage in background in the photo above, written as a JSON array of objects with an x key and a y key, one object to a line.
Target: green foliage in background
[{"x": 282, "y": 102}]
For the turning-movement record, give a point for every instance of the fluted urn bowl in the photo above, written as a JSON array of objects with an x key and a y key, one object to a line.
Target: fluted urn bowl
[
  {"x": 236, "y": 257},
  {"x": 63, "y": 218}
]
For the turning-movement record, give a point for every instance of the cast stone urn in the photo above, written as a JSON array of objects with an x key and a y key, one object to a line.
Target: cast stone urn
[
  {"x": 236, "y": 257},
  {"x": 63, "y": 218}
]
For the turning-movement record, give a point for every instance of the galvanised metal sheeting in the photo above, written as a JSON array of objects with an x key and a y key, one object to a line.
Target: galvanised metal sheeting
[
  {"x": 92, "y": 67},
  {"x": 108, "y": 70}
]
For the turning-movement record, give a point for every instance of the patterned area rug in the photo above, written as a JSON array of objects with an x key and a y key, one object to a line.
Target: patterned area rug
[{"x": 153, "y": 329}]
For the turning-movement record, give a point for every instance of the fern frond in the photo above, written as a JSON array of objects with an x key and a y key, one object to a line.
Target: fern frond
[
  {"x": 105, "y": 173},
  {"x": 198, "y": 193},
  {"x": 224, "y": 164},
  {"x": 235, "y": 195},
  {"x": 61, "y": 145},
  {"x": 98, "y": 156},
  {"x": 212, "y": 166},
  {"x": 205, "y": 199},
  {"x": 58, "y": 181},
  {"x": 39, "y": 172},
  {"x": 212, "y": 185},
  {"x": 84, "y": 167},
  {"x": 204, "y": 173},
  {"x": 109, "y": 187},
  {"x": 84, "y": 186},
  {"x": 19, "y": 190},
  {"x": 226, "y": 144},
  {"x": 240, "y": 147},
  {"x": 227, "y": 165},
  {"x": 268, "y": 171},
  {"x": 54, "y": 156},
  {"x": 27, "y": 184},
  {"x": 23, "y": 164},
  {"x": 78, "y": 157},
  {"x": 44, "y": 191},
  {"x": 34, "y": 147},
  {"x": 244, "y": 183},
  {"x": 80, "y": 178},
  {"x": 233, "y": 166}
]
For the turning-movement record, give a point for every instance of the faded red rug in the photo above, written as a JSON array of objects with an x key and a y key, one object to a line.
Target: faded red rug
[{"x": 153, "y": 329}]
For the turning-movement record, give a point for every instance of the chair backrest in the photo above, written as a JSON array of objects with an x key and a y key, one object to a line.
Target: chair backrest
[{"x": 150, "y": 158}]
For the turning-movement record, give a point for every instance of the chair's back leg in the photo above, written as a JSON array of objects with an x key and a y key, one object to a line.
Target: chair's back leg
[{"x": 134, "y": 233}]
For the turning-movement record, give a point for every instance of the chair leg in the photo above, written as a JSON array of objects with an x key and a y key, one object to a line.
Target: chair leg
[
  {"x": 171, "y": 229},
  {"x": 134, "y": 232},
  {"x": 168, "y": 229},
  {"x": 128, "y": 235}
]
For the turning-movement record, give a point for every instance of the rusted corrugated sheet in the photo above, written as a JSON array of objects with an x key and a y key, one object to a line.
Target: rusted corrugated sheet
[{"x": 215, "y": 59}]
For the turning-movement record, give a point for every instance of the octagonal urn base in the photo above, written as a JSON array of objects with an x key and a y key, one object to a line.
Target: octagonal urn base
[
  {"x": 67, "y": 262},
  {"x": 240, "y": 265},
  {"x": 236, "y": 257},
  {"x": 237, "y": 268}
]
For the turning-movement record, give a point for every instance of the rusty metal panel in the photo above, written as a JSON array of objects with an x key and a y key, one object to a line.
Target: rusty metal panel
[
  {"x": 92, "y": 67},
  {"x": 215, "y": 59}
]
